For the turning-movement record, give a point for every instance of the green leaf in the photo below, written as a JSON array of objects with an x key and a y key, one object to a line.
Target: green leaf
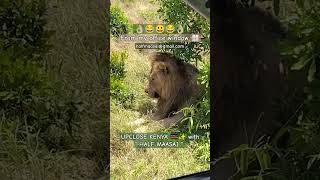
[
  {"x": 244, "y": 162},
  {"x": 300, "y": 64},
  {"x": 259, "y": 178},
  {"x": 266, "y": 160},
  {"x": 312, "y": 160},
  {"x": 4, "y": 93},
  {"x": 260, "y": 159},
  {"x": 312, "y": 71}
]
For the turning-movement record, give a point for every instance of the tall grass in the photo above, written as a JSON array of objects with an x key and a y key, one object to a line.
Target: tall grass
[
  {"x": 76, "y": 61},
  {"x": 78, "y": 56}
]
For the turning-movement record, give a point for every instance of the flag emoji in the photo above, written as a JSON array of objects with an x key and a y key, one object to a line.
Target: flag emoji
[{"x": 173, "y": 136}]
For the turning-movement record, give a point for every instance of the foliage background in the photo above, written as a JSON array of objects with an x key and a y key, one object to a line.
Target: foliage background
[
  {"x": 52, "y": 123},
  {"x": 293, "y": 152},
  {"x": 53, "y": 77}
]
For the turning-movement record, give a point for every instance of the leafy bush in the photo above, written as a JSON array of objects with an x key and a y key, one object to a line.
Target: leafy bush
[
  {"x": 118, "y": 21},
  {"x": 30, "y": 100},
  {"x": 117, "y": 65},
  {"x": 198, "y": 117},
  {"x": 32, "y": 103},
  {"x": 177, "y": 12},
  {"x": 40, "y": 114},
  {"x": 22, "y": 28},
  {"x": 118, "y": 89},
  {"x": 121, "y": 93},
  {"x": 201, "y": 147},
  {"x": 303, "y": 42}
]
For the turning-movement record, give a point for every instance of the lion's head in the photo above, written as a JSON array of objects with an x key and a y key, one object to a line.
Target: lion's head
[{"x": 171, "y": 81}]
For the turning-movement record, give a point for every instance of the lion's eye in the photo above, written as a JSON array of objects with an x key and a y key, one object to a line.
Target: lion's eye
[{"x": 152, "y": 79}]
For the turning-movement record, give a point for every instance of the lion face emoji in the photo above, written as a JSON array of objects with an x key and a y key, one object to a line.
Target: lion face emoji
[
  {"x": 159, "y": 28},
  {"x": 170, "y": 28},
  {"x": 149, "y": 28}
]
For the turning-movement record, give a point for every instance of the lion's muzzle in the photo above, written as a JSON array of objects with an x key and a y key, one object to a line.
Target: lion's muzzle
[{"x": 151, "y": 93}]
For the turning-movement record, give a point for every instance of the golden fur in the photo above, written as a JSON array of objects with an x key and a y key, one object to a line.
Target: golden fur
[{"x": 173, "y": 83}]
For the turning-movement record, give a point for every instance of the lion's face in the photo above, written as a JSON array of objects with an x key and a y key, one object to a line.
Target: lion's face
[
  {"x": 158, "y": 80},
  {"x": 171, "y": 83}
]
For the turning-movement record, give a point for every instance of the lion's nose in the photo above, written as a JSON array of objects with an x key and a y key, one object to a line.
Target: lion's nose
[{"x": 146, "y": 91}]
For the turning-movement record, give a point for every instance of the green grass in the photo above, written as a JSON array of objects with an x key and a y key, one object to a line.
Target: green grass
[
  {"x": 126, "y": 161},
  {"x": 139, "y": 11},
  {"x": 76, "y": 58}
]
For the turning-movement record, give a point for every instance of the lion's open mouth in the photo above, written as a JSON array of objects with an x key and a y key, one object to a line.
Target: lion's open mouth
[{"x": 156, "y": 95}]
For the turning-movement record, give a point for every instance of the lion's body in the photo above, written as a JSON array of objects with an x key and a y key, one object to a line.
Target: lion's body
[{"x": 173, "y": 82}]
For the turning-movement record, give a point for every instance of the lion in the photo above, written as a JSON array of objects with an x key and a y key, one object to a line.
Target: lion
[{"x": 173, "y": 83}]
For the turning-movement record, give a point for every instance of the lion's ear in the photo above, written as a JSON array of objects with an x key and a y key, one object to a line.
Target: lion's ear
[{"x": 153, "y": 57}]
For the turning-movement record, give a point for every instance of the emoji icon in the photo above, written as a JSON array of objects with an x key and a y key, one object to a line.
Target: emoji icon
[
  {"x": 180, "y": 29},
  {"x": 159, "y": 28},
  {"x": 149, "y": 28},
  {"x": 170, "y": 28},
  {"x": 182, "y": 137},
  {"x": 139, "y": 29},
  {"x": 195, "y": 38}
]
